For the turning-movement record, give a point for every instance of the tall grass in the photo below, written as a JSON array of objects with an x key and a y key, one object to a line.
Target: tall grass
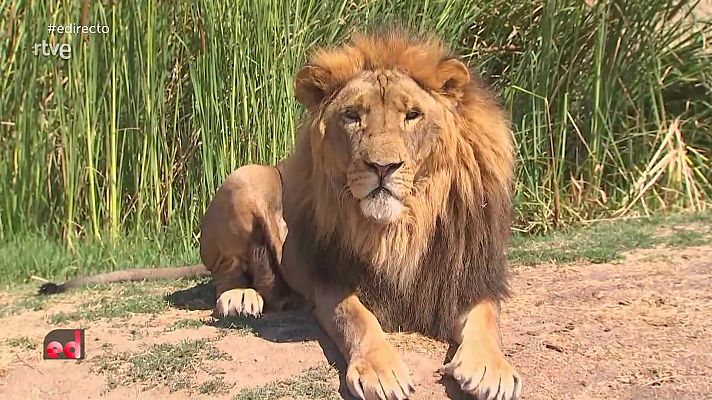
[{"x": 136, "y": 132}]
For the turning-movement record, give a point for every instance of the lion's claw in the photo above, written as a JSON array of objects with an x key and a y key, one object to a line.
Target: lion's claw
[
  {"x": 240, "y": 301},
  {"x": 379, "y": 375},
  {"x": 485, "y": 375}
]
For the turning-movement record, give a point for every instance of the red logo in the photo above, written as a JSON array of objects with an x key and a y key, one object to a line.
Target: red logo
[{"x": 64, "y": 344}]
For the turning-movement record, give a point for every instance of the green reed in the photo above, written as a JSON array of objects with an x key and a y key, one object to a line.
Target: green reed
[{"x": 137, "y": 130}]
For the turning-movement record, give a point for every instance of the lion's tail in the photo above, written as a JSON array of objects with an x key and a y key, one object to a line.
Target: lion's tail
[{"x": 125, "y": 276}]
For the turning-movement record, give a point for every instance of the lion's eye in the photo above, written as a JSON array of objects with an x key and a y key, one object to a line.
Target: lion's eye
[
  {"x": 413, "y": 114},
  {"x": 350, "y": 115}
]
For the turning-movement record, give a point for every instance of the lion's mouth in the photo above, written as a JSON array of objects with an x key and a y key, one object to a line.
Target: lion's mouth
[
  {"x": 380, "y": 191},
  {"x": 381, "y": 205}
]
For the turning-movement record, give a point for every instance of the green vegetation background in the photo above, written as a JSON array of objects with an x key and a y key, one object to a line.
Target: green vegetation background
[{"x": 109, "y": 159}]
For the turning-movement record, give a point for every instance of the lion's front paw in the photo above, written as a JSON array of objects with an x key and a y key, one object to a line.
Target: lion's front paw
[
  {"x": 486, "y": 375},
  {"x": 380, "y": 374},
  {"x": 240, "y": 301}
]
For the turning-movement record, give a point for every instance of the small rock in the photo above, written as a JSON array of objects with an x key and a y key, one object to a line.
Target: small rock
[{"x": 554, "y": 347}]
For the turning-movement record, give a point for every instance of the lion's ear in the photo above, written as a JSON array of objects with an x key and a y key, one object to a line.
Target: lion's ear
[
  {"x": 311, "y": 84},
  {"x": 453, "y": 77}
]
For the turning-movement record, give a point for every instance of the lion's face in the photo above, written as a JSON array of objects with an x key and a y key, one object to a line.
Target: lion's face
[
  {"x": 381, "y": 111},
  {"x": 378, "y": 130}
]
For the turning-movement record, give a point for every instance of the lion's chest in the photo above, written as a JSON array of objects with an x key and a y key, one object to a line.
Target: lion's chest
[{"x": 422, "y": 306}]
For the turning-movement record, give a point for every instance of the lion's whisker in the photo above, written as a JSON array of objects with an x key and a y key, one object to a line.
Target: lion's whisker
[{"x": 345, "y": 191}]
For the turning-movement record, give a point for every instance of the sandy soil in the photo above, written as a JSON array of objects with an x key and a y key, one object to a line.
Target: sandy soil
[{"x": 636, "y": 329}]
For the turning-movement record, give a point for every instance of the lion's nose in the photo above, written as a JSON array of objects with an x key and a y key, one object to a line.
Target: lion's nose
[{"x": 384, "y": 170}]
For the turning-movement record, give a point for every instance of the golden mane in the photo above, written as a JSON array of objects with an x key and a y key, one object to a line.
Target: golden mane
[{"x": 448, "y": 250}]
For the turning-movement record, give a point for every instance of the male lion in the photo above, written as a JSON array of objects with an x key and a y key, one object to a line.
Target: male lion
[
  {"x": 397, "y": 200},
  {"x": 393, "y": 212}
]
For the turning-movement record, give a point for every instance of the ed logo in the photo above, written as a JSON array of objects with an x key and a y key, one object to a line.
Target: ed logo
[{"x": 64, "y": 344}]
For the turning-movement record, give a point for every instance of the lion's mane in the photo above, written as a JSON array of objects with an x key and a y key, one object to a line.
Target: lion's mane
[{"x": 448, "y": 250}]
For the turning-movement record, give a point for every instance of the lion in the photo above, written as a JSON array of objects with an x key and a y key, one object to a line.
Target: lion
[
  {"x": 397, "y": 198},
  {"x": 392, "y": 213}
]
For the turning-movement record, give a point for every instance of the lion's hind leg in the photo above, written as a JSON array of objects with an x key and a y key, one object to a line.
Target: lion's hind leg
[{"x": 241, "y": 242}]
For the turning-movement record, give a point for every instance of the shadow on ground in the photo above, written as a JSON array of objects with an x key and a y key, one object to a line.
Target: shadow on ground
[
  {"x": 278, "y": 327},
  {"x": 199, "y": 297}
]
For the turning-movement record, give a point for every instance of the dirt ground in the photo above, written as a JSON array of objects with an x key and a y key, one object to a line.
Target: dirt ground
[{"x": 640, "y": 328}]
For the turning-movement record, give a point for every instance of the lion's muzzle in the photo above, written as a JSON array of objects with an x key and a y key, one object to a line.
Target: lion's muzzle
[{"x": 379, "y": 187}]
